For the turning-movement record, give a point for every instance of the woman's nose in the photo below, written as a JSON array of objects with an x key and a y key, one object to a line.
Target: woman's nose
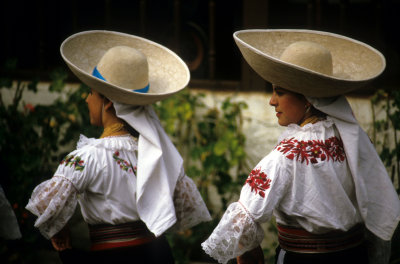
[{"x": 272, "y": 101}]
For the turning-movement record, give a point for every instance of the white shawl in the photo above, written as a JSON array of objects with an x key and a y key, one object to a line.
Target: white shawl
[
  {"x": 158, "y": 169},
  {"x": 377, "y": 199}
]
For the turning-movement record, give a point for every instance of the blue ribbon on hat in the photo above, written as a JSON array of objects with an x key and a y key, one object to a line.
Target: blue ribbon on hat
[{"x": 97, "y": 74}]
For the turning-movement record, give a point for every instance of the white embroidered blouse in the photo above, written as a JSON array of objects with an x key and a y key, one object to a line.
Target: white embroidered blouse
[
  {"x": 305, "y": 182},
  {"x": 101, "y": 175}
]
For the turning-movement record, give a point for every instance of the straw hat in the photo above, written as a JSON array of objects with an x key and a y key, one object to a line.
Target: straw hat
[
  {"x": 120, "y": 66},
  {"x": 312, "y": 63}
]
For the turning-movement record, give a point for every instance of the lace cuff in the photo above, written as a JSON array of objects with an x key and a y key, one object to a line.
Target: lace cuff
[
  {"x": 190, "y": 208},
  {"x": 235, "y": 234},
  {"x": 54, "y": 202}
]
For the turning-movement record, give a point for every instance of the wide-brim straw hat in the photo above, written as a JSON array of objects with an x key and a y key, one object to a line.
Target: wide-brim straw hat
[
  {"x": 354, "y": 63},
  {"x": 168, "y": 74}
]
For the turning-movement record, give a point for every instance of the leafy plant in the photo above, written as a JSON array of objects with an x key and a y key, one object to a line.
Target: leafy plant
[
  {"x": 35, "y": 137},
  {"x": 31, "y": 141},
  {"x": 386, "y": 117},
  {"x": 386, "y": 130},
  {"x": 212, "y": 143}
]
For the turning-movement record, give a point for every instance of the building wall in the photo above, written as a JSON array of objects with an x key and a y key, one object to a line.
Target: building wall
[{"x": 260, "y": 125}]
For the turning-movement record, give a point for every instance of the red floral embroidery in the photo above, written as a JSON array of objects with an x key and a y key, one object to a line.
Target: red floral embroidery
[
  {"x": 259, "y": 182},
  {"x": 313, "y": 150},
  {"x": 123, "y": 164},
  {"x": 73, "y": 161}
]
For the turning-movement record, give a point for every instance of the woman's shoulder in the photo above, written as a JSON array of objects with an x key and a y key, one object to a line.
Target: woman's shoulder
[
  {"x": 273, "y": 163},
  {"x": 123, "y": 142},
  {"x": 319, "y": 127},
  {"x": 92, "y": 150},
  {"x": 311, "y": 144},
  {"x": 318, "y": 130}
]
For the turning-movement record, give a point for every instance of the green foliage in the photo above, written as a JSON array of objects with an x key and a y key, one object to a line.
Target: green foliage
[
  {"x": 31, "y": 141},
  {"x": 386, "y": 130},
  {"x": 210, "y": 139},
  {"x": 386, "y": 105},
  {"x": 212, "y": 144},
  {"x": 35, "y": 137}
]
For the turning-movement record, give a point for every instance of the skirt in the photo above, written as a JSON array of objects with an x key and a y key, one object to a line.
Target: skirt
[{"x": 354, "y": 255}]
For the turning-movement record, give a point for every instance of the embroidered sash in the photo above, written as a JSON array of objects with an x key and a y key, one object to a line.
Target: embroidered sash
[
  {"x": 299, "y": 240},
  {"x": 107, "y": 236}
]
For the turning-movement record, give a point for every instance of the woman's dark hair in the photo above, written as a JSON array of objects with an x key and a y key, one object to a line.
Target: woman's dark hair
[
  {"x": 314, "y": 111},
  {"x": 131, "y": 130},
  {"x": 317, "y": 113},
  {"x": 128, "y": 128}
]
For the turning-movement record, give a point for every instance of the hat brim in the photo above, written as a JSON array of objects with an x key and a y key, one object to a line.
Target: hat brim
[
  {"x": 168, "y": 74},
  {"x": 354, "y": 63}
]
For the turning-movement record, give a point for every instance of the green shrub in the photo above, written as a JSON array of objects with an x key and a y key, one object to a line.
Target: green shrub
[
  {"x": 32, "y": 140},
  {"x": 212, "y": 144},
  {"x": 386, "y": 105}
]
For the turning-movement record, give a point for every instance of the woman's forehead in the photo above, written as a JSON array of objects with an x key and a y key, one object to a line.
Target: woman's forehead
[{"x": 280, "y": 89}]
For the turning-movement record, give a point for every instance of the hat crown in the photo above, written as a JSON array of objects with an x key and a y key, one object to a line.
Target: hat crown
[
  {"x": 309, "y": 55},
  {"x": 125, "y": 67}
]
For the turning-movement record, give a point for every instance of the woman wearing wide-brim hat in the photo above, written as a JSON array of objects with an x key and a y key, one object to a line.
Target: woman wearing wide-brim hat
[
  {"x": 130, "y": 183},
  {"x": 324, "y": 181}
]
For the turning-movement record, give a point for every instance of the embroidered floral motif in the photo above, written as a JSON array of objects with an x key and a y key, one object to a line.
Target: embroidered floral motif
[
  {"x": 313, "y": 150},
  {"x": 123, "y": 164},
  {"x": 258, "y": 181},
  {"x": 73, "y": 161}
]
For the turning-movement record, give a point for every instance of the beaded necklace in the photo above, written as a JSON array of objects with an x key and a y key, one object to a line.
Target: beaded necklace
[
  {"x": 115, "y": 129},
  {"x": 312, "y": 119}
]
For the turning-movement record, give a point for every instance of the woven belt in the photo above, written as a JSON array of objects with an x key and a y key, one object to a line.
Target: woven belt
[
  {"x": 299, "y": 240},
  {"x": 107, "y": 236}
]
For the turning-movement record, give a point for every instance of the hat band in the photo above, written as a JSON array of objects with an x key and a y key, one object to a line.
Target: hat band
[{"x": 97, "y": 74}]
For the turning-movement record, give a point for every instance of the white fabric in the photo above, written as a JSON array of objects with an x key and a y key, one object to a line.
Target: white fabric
[
  {"x": 9, "y": 228},
  {"x": 101, "y": 175},
  {"x": 235, "y": 234},
  {"x": 377, "y": 199},
  {"x": 305, "y": 182},
  {"x": 159, "y": 166},
  {"x": 281, "y": 256},
  {"x": 320, "y": 194},
  {"x": 54, "y": 201},
  {"x": 189, "y": 205}
]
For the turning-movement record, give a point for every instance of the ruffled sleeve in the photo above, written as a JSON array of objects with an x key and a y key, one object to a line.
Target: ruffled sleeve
[
  {"x": 190, "y": 208},
  {"x": 236, "y": 233},
  {"x": 54, "y": 201},
  {"x": 239, "y": 229}
]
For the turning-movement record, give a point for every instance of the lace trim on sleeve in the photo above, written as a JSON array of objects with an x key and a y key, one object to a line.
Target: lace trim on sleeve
[
  {"x": 190, "y": 208},
  {"x": 235, "y": 234},
  {"x": 54, "y": 202}
]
